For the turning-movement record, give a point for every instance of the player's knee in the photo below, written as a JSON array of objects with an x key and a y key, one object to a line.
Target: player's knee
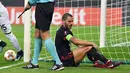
[
  {"x": 92, "y": 50},
  {"x": 11, "y": 36},
  {"x": 45, "y": 35},
  {"x": 88, "y": 48},
  {"x": 37, "y": 33}
]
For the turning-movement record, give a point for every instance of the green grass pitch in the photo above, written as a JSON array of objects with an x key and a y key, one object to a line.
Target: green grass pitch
[{"x": 16, "y": 67}]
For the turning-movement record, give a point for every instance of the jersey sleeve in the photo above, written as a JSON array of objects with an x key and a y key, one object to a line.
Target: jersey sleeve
[
  {"x": 31, "y": 2},
  {"x": 68, "y": 35}
]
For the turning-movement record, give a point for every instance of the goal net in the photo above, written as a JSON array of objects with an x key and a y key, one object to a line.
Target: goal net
[
  {"x": 118, "y": 30},
  {"x": 87, "y": 26}
]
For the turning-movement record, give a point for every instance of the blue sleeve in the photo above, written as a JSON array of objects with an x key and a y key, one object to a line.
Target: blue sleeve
[{"x": 32, "y": 2}]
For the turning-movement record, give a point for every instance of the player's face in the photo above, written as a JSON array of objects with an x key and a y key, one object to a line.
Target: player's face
[{"x": 69, "y": 22}]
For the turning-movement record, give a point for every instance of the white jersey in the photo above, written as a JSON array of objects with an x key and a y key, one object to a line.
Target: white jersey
[
  {"x": 2, "y": 8},
  {"x": 4, "y": 19}
]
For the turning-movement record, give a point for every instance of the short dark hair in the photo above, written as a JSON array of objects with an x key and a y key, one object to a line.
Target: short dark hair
[{"x": 64, "y": 17}]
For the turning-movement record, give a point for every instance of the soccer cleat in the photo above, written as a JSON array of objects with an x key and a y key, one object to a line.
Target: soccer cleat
[
  {"x": 117, "y": 64},
  {"x": 31, "y": 66},
  {"x": 112, "y": 65},
  {"x": 97, "y": 64},
  {"x": 2, "y": 45},
  {"x": 19, "y": 55},
  {"x": 57, "y": 67},
  {"x": 109, "y": 64}
]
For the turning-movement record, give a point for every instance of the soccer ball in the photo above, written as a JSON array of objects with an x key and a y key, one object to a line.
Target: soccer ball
[{"x": 10, "y": 55}]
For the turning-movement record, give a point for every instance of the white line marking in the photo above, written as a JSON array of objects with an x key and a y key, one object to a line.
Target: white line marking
[{"x": 4, "y": 67}]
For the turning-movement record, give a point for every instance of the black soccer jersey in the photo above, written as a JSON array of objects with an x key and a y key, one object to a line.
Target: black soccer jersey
[{"x": 62, "y": 44}]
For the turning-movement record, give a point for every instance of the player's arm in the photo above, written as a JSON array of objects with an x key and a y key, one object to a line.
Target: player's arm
[
  {"x": 29, "y": 4},
  {"x": 78, "y": 42}
]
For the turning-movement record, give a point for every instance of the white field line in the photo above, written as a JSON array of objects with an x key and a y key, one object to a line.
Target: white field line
[{"x": 4, "y": 67}]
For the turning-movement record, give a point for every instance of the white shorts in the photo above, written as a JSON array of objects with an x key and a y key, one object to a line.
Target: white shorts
[
  {"x": 6, "y": 28},
  {"x": 4, "y": 21}
]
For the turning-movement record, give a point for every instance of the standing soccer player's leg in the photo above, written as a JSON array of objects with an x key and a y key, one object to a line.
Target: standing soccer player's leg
[
  {"x": 43, "y": 17},
  {"x": 52, "y": 50},
  {"x": 3, "y": 15},
  {"x": 37, "y": 47},
  {"x": 6, "y": 27},
  {"x": 16, "y": 45},
  {"x": 50, "y": 46},
  {"x": 44, "y": 26},
  {"x": 14, "y": 41}
]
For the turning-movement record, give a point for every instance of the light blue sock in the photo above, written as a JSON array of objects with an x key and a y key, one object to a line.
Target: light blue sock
[
  {"x": 52, "y": 50},
  {"x": 37, "y": 50}
]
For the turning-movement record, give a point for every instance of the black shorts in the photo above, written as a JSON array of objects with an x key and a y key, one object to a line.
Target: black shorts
[
  {"x": 68, "y": 60},
  {"x": 43, "y": 15}
]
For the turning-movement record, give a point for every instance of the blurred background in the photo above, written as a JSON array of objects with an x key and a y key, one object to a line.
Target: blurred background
[
  {"x": 87, "y": 14},
  {"x": 75, "y": 3}
]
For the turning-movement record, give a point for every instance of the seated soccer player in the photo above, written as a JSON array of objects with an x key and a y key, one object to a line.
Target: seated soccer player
[
  {"x": 2, "y": 45},
  {"x": 64, "y": 37}
]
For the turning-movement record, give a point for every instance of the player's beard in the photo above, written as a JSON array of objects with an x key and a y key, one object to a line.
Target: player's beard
[{"x": 70, "y": 26}]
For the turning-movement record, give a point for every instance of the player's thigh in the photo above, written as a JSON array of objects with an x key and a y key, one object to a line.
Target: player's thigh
[
  {"x": 6, "y": 28},
  {"x": 37, "y": 33},
  {"x": 43, "y": 15},
  {"x": 80, "y": 53},
  {"x": 4, "y": 16},
  {"x": 5, "y": 22}
]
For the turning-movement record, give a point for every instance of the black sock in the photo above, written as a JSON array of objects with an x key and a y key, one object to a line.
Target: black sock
[
  {"x": 91, "y": 58},
  {"x": 94, "y": 55},
  {"x": 20, "y": 52},
  {"x": 2, "y": 43}
]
